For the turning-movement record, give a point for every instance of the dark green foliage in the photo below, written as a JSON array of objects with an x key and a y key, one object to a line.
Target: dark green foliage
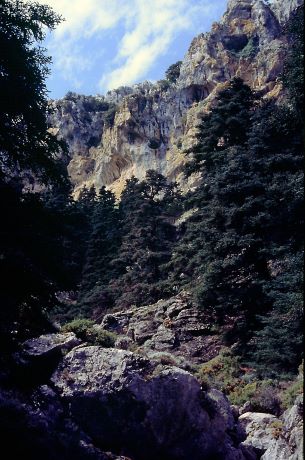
[
  {"x": 147, "y": 237},
  {"x": 225, "y": 126},
  {"x": 84, "y": 329},
  {"x": 250, "y": 50},
  {"x": 279, "y": 344},
  {"x": 164, "y": 84},
  {"x": 103, "y": 244},
  {"x": 91, "y": 104},
  {"x": 30, "y": 272},
  {"x": 69, "y": 220},
  {"x": 79, "y": 327},
  {"x": 173, "y": 72},
  {"x": 247, "y": 218},
  {"x": 33, "y": 260},
  {"x": 26, "y": 146},
  {"x": 154, "y": 144},
  {"x": 235, "y": 43},
  {"x": 109, "y": 115}
]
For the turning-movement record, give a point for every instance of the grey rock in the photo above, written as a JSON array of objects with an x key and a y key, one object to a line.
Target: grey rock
[
  {"x": 246, "y": 407},
  {"x": 173, "y": 326},
  {"x": 38, "y": 426},
  {"x": 247, "y": 42},
  {"x": 289, "y": 443},
  {"x": 283, "y": 8},
  {"x": 50, "y": 343},
  {"x": 132, "y": 405},
  {"x": 38, "y": 357},
  {"x": 275, "y": 438},
  {"x": 259, "y": 429}
]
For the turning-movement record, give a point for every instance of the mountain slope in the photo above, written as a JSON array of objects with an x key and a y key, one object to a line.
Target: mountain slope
[{"x": 150, "y": 126}]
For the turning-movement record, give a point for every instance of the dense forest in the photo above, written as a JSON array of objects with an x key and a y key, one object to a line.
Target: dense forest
[{"x": 239, "y": 253}]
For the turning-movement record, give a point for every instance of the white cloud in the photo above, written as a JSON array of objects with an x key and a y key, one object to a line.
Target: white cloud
[{"x": 149, "y": 28}]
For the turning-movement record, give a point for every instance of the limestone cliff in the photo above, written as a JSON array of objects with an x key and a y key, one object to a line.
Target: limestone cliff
[{"x": 150, "y": 126}]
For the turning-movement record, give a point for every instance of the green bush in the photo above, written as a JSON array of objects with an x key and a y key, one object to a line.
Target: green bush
[
  {"x": 224, "y": 373},
  {"x": 80, "y": 327},
  {"x": 154, "y": 144},
  {"x": 102, "y": 338},
  {"x": 250, "y": 50},
  {"x": 85, "y": 330},
  {"x": 164, "y": 84},
  {"x": 173, "y": 72},
  {"x": 109, "y": 115}
]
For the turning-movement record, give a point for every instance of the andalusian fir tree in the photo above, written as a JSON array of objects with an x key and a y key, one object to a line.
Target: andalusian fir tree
[
  {"x": 104, "y": 240},
  {"x": 147, "y": 237}
]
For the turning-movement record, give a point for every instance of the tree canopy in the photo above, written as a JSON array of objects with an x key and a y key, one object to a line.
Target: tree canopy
[{"x": 27, "y": 148}]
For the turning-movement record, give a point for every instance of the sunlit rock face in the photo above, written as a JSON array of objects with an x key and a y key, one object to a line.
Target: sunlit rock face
[{"x": 151, "y": 126}]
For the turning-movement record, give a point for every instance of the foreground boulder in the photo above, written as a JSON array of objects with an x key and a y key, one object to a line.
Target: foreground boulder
[
  {"x": 131, "y": 406},
  {"x": 49, "y": 344},
  {"x": 37, "y": 426},
  {"x": 38, "y": 357},
  {"x": 276, "y": 438}
]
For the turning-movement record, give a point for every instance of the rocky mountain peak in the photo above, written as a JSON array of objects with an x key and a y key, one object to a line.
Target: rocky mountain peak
[{"x": 151, "y": 126}]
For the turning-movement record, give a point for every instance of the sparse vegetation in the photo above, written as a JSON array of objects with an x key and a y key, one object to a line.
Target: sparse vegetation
[
  {"x": 109, "y": 115},
  {"x": 173, "y": 72}
]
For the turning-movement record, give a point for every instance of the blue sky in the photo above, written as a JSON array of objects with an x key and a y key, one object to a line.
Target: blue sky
[{"x": 104, "y": 44}]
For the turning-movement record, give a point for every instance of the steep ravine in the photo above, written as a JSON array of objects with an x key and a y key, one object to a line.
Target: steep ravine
[{"x": 151, "y": 126}]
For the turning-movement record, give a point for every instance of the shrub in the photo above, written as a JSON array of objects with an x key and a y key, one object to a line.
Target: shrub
[
  {"x": 80, "y": 327},
  {"x": 102, "y": 338},
  {"x": 109, "y": 115},
  {"x": 71, "y": 96},
  {"x": 220, "y": 372},
  {"x": 86, "y": 330},
  {"x": 93, "y": 141},
  {"x": 164, "y": 84},
  {"x": 277, "y": 428},
  {"x": 91, "y": 104},
  {"x": 224, "y": 373},
  {"x": 250, "y": 50},
  {"x": 173, "y": 72},
  {"x": 242, "y": 393}
]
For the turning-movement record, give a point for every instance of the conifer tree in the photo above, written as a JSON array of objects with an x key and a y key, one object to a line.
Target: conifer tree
[
  {"x": 28, "y": 154},
  {"x": 147, "y": 236},
  {"x": 220, "y": 256},
  {"x": 103, "y": 244}
]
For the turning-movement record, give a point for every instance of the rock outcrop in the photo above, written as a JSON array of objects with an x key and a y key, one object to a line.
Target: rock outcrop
[
  {"x": 114, "y": 404},
  {"x": 171, "y": 330},
  {"x": 38, "y": 357},
  {"x": 129, "y": 404},
  {"x": 149, "y": 126},
  {"x": 275, "y": 438},
  {"x": 38, "y": 426}
]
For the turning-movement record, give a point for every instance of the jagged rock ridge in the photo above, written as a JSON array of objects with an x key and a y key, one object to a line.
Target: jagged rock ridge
[{"x": 149, "y": 126}]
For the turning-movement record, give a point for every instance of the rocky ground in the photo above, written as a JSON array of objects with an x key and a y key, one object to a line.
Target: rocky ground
[
  {"x": 76, "y": 400},
  {"x": 171, "y": 330}
]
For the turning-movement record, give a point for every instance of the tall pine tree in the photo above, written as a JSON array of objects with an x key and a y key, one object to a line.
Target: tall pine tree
[
  {"x": 103, "y": 244},
  {"x": 147, "y": 237}
]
